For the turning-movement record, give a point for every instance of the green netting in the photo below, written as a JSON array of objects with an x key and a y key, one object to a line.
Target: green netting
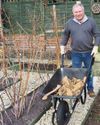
[
  {"x": 24, "y": 16},
  {"x": 97, "y": 18},
  {"x": 61, "y": 17},
  {"x": 27, "y": 16}
]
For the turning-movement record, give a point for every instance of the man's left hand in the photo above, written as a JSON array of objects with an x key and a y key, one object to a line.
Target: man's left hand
[{"x": 94, "y": 51}]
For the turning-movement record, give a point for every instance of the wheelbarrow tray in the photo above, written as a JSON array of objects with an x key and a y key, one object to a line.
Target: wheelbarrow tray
[{"x": 56, "y": 79}]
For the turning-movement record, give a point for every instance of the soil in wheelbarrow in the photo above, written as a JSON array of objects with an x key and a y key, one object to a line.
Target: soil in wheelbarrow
[{"x": 94, "y": 116}]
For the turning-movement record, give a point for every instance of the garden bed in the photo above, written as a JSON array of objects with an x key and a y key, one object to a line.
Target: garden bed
[{"x": 94, "y": 115}]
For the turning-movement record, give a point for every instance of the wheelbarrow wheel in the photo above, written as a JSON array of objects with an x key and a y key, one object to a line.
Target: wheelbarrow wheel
[{"x": 63, "y": 113}]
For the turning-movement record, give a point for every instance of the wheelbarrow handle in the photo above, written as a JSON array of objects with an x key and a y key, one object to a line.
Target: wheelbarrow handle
[
  {"x": 91, "y": 62},
  {"x": 90, "y": 65},
  {"x": 62, "y": 60}
]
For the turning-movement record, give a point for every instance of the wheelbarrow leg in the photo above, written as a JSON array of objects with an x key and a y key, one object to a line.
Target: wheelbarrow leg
[
  {"x": 54, "y": 101},
  {"x": 83, "y": 97},
  {"x": 75, "y": 103}
]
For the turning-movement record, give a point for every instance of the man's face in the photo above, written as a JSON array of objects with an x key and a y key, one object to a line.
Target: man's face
[{"x": 78, "y": 13}]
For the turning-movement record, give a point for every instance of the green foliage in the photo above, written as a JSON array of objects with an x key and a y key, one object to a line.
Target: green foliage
[{"x": 99, "y": 49}]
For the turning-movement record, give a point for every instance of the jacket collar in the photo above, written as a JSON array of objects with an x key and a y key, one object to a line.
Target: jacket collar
[{"x": 82, "y": 21}]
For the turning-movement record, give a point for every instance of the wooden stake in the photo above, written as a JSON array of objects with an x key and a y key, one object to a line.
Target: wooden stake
[{"x": 56, "y": 33}]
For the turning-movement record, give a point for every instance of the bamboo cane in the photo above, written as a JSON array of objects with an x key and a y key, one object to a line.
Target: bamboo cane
[
  {"x": 2, "y": 39},
  {"x": 56, "y": 33}
]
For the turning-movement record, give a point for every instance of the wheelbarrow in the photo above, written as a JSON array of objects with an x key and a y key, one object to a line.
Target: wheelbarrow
[{"x": 64, "y": 105}]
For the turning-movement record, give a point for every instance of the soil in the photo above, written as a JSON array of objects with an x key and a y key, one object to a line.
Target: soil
[{"x": 94, "y": 116}]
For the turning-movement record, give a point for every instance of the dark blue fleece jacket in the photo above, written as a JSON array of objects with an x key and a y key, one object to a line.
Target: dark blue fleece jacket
[{"x": 83, "y": 36}]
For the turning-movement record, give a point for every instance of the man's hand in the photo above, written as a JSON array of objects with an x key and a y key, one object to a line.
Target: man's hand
[
  {"x": 94, "y": 50},
  {"x": 62, "y": 50}
]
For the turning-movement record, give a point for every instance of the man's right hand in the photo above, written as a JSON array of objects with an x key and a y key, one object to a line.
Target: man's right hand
[{"x": 62, "y": 50}]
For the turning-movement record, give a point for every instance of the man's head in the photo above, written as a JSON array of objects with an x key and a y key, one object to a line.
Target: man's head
[{"x": 78, "y": 11}]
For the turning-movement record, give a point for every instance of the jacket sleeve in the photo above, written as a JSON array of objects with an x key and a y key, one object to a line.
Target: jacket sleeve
[
  {"x": 96, "y": 33},
  {"x": 65, "y": 36}
]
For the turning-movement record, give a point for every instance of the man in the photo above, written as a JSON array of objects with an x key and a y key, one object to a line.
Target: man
[{"x": 83, "y": 31}]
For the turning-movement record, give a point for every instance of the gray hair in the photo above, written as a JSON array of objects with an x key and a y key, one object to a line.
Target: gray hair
[{"x": 77, "y": 5}]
